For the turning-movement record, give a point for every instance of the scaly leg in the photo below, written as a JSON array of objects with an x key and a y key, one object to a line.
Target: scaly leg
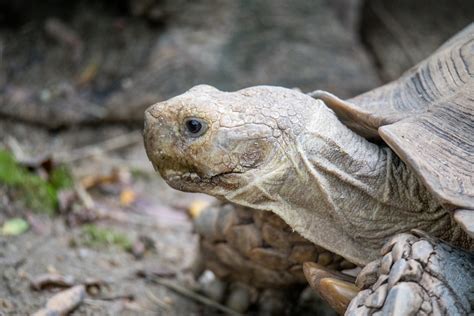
[{"x": 417, "y": 275}]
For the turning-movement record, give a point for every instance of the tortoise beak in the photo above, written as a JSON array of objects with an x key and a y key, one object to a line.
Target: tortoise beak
[
  {"x": 148, "y": 138},
  {"x": 158, "y": 137}
]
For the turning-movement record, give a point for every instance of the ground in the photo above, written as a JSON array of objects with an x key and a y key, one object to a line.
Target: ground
[{"x": 155, "y": 214}]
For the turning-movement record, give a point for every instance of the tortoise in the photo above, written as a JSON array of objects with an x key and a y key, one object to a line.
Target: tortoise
[{"x": 385, "y": 179}]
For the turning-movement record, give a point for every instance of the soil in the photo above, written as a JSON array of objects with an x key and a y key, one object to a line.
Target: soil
[{"x": 158, "y": 214}]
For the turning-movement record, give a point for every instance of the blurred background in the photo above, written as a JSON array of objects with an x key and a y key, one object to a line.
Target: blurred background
[{"x": 79, "y": 202}]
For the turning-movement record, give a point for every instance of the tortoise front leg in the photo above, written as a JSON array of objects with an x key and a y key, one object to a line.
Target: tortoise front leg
[{"x": 417, "y": 275}]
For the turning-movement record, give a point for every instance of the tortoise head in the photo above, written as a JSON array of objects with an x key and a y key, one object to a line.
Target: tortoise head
[{"x": 214, "y": 142}]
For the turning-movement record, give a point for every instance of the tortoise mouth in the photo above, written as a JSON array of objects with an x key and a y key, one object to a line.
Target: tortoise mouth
[{"x": 216, "y": 184}]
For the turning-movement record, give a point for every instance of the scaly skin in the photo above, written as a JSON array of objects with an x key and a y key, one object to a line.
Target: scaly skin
[
  {"x": 257, "y": 248},
  {"x": 270, "y": 148},
  {"x": 417, "y": 275},
  {"x": 260, "y": 250}
]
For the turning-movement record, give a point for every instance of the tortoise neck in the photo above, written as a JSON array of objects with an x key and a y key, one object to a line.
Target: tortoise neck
[{"x": 369, "y": 193}]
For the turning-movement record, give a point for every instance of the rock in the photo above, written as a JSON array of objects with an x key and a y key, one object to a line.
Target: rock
[
  {"x": 212, "y": 286},
  {"x": 306, "y": 44},
  {"x": 239, "y": 298},
  {"x": 63, "y": 302},
  {"x": 274, "y": 302},
  {"x": 398, "y": 36}
]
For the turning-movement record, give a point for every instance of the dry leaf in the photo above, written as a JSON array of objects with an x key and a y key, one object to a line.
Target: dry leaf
[
  {"x": 14, "y": 226},
  {"x": 196, "y": 207},
  {"x": 127, "y": 197},
  {"x": 92, "y": 181},
  {"x": 63, "y": 302},
  {"x": 52, "y": 280}
]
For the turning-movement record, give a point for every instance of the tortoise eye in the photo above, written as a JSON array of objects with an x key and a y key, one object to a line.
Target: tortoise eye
[{"x": 195, "y": 127}]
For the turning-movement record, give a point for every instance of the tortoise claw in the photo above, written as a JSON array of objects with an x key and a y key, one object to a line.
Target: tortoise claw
[{"x": 336, "y": 288}]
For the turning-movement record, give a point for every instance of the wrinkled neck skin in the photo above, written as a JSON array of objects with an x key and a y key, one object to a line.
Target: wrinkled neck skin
[{"x": 342, "y": 192}]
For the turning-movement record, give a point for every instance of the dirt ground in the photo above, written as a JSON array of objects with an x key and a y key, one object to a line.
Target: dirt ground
[
  {"x": 157, "y": 214},
  {"x": 74, "y": 81}
]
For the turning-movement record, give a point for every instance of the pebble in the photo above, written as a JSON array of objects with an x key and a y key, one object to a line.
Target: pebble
[
  {"x": 211, "y": 286},
  {"x": 239, "y": 298}
]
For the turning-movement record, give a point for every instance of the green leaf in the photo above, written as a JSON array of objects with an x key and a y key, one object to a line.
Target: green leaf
[
  {"x": 61, "y": 178},
  {"x": 38, "y": 194},
  {"x": 9, "y": 172},
  {"x": 15, "y": 226},
  {"x": 100, "y": 236}
]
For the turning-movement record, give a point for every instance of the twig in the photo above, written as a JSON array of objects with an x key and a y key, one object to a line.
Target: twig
[
  {"x": 64, "y": 34},
  {"x": 97, "y": 302},
  {"x": 192, "y": 295},
  {"x": 16, "y": 148},
  {"x": 85, "y": 198},
  {"x": 157, "y": 301},
  {"x": 140, "y": 220},
  {"x": 111, "y": 144},
  {"x": 129, "y": 297}
]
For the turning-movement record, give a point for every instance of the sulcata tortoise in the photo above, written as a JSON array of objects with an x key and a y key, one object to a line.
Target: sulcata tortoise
[{"x": 384, "y": 180}]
